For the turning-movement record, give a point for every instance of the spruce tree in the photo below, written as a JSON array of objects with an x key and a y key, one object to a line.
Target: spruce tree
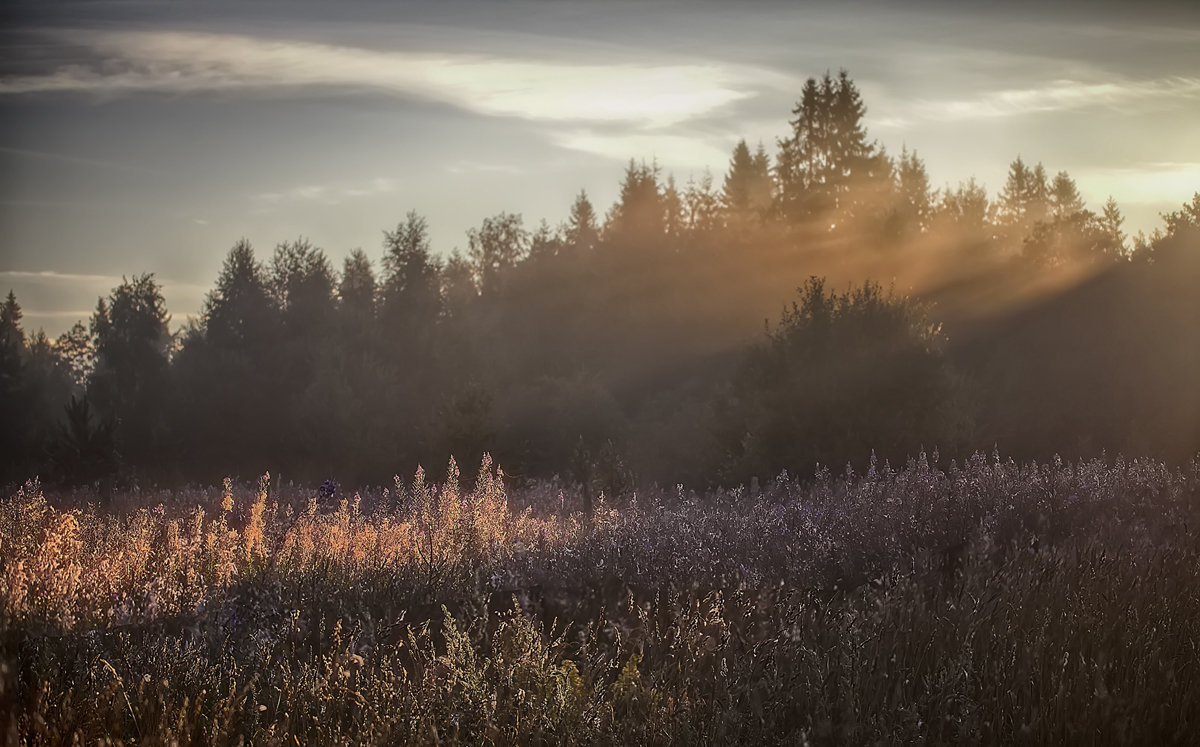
[
  {"x": 1064, "y": 199},
  {"x": 827, "y": 157},
  {"x": 411, "y": 298},
  {"x": 916, "y": 201},
  {"x": 582, "y": 232},
  {"x": 357, "y": 290}
]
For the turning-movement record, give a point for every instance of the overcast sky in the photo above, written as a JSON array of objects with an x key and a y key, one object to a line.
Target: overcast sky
[{"x": 151, "y": 136}]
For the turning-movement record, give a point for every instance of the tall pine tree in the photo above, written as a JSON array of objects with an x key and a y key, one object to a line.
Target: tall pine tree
[{"x": 827, "y": 156}]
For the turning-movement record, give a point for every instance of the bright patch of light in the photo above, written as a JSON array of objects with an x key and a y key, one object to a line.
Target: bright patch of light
[{"x": 1149, "y": 183}]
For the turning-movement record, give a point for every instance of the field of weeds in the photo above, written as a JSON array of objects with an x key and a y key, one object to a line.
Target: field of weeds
[{"x": 985, "y": 602}]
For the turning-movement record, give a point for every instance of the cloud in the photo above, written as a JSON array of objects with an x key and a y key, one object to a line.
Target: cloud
[
  {"x": 71, "y": 316},
  {"x": 67, "y": 158},
  {"x": 101, "y": 284},
  {"x": 52, "y": 276},
  {"x": 682, "y": 151},
  {"x": 1059, "y": 95},
  {"x": 643, "y": 94},
  {"x": 460, "y": 168},
  {"x": 329, "y": 194}
]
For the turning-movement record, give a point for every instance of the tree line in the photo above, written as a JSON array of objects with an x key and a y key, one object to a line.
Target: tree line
[{"x": 630, "y": 345}]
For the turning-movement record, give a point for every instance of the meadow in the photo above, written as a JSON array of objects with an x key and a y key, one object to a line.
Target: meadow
[{"x": 973, "y": 603}]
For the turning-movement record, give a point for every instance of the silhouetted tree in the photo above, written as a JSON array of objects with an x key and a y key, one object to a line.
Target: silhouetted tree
[
  {"x": 827, "y": 152},
  {"x": 357, "y": 290},
  {"x": 746, "y": 193},
  {"x": 1078, "y": 236},
  {"x": 1186, "y": 219},
  {"x": 1023, "y": 201},
  {"x": 77, "y": 353},
  {"x": 84, "y": 449},
  {"x": 915, "y": 208},
  {"x": 544, "y": 244},
  {"x": 239, "y": 313},
  {"x": 1069, "y": 232},
  {"x": 227, "y": 390},
  {"x": 301, "y": 283},
  {"x": 12, "y": 350},
  {"x": 638, "y": 216},
  {"x": 302, "y": 286},
  {"x": 133, "y": 348},
  {"x": 1063, "y": 198},
  {"x": 13, "y": 407},
  {"x": 411, "y": 298},
  {"x": 762, "y": 190},
  {"x": 801, "y": 165},
  {"x": 495, "y": 248},
  {"x": 582, "y": 230},
  {"x": 459, "y": 288},
  {"x": 673, "y": 211},
  {"x": 47, "y": 385},
  {"x": 841, "y": 375},
  {"x": 702, "y": 206},
  {"x": 1111, "y": 222},
  {"x": 964, "y": 209}
]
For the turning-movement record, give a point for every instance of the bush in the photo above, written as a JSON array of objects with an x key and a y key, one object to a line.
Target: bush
[{"x": 842, "y": 374}]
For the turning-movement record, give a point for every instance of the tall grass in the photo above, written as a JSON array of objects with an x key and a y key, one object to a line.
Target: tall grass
[{"x": 987, "y": 602}]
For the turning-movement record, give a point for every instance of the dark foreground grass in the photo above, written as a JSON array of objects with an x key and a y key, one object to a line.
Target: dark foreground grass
[{"x": 983, "y": 603}]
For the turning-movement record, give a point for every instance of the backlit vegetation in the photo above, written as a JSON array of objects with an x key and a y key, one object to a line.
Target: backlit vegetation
[{"x": 977, "y": 602}]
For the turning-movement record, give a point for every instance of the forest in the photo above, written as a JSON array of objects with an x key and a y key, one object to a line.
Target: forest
[
  {"x": 897, "y": 316},
  {"x": 815, "y": 453}
]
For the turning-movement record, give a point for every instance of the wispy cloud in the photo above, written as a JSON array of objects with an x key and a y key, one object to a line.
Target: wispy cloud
[
  {"x": 56, "y": 315},
  {"x": 328, "y": 194},
  {"x": 59, "y": 277},
  {"x": 644, "y": 94},
  {"x": 673, "y": 150},
  {"x": 1060, "y": 95},
  {"x": 479, "y": 167},
  {"x": 68, "y": 158},
  {"x": 99, "y": 283}
]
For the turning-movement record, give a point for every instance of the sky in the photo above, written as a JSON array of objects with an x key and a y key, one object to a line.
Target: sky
[{"x": 151, "y": 136}]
